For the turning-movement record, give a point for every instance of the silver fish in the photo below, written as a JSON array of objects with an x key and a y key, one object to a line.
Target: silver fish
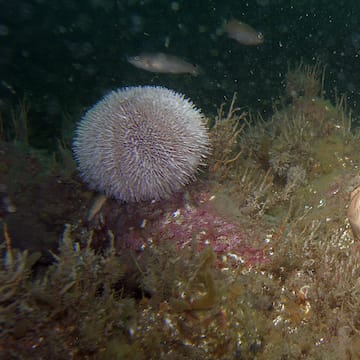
[
  {"x": 243, "y": 33},
  {"x": 163, "y": 63}
]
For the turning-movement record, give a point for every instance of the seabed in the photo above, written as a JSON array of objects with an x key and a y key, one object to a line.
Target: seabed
[{"x": 257, "y": 259}]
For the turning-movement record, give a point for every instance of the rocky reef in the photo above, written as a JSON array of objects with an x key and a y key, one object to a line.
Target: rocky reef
[{"x": 255, "y": 260}]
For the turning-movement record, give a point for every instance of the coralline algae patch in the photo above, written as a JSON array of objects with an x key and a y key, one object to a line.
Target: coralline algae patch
[
  {"x": 204, "y": 227},
  {"x": 196, "y": 222}
]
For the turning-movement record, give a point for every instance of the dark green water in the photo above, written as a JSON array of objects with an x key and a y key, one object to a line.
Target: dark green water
[{"x": 64, "y": 55}]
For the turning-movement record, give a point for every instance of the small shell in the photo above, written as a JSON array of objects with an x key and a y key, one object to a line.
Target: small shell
[
  {"x": 96, "y": 206},
  {"x": 354, "y": 212}
]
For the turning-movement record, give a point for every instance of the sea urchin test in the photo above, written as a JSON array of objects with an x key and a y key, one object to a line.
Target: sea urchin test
[{"x": 140, "y": 143}]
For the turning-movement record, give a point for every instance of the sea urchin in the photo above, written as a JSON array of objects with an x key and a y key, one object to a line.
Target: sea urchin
[{"x": 140, "y": 143}]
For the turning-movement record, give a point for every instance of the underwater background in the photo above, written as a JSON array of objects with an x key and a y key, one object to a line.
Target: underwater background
[
  {"x": 63, "y": 55},
  {"x": 258, "y": 258}
]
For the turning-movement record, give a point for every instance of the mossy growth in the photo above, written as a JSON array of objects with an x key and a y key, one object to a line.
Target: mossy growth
[
  {"x": 303, "y": 161},
  {"x": 73, "y": 309},
  {"x": 301, "y": 142},
  {"x": 15, "y": 126},
  {"x": 305, "y": 81},
  {"x": 224, "y": 135},
  {"x": 304, "y": 303},
  {"x": 81, "y": 307},
  {"x": 194, "y": 288}
]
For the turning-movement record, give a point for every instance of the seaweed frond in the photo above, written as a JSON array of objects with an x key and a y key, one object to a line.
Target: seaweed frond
[{"x": 225, "y": 140}]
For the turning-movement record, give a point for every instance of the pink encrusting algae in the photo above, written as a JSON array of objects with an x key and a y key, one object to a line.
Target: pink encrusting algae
[{"x": 198, "y": 223}]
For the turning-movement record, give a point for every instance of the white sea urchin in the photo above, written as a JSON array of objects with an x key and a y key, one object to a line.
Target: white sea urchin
[{"x": 140, "y": 143}]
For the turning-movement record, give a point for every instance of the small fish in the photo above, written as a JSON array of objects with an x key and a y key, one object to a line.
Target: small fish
[
  {"x": 163, "y": 63},
  {"x": 243, "y": 33}
]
